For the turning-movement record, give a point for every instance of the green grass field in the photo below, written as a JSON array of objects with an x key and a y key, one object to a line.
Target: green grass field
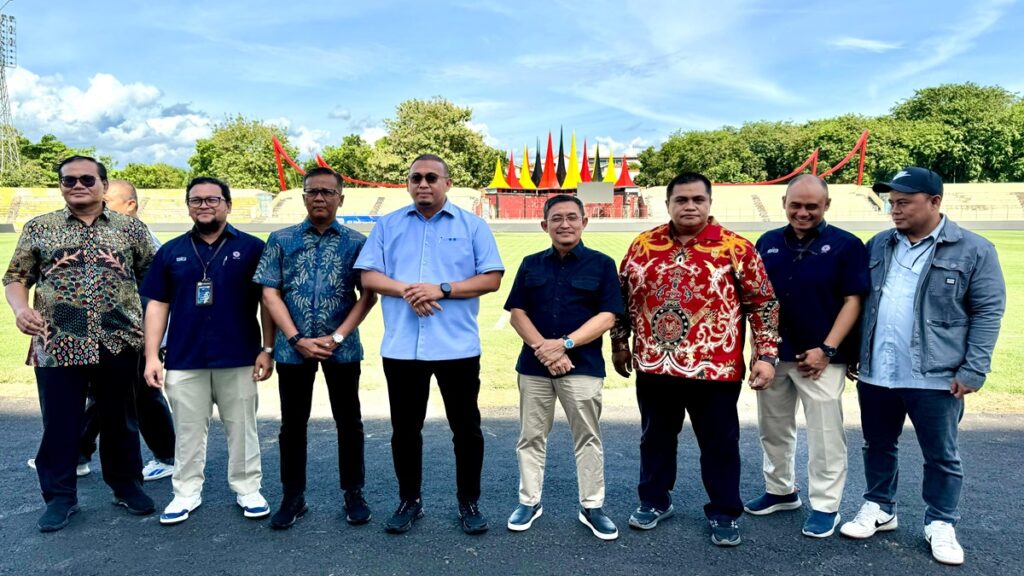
[{"x": 1003, "y": 392}]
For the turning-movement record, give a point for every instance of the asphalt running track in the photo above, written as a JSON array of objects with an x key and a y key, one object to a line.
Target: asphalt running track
[{"x": 103, "y": 539}]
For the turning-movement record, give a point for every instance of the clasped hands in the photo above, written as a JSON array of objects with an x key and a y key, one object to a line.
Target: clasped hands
[
  {"x": 551, "y": 354},
  {"x": 422, "y": 298}
]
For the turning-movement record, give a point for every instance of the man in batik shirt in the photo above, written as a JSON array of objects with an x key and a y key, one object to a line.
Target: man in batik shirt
[{"x": 687, "y": 286}]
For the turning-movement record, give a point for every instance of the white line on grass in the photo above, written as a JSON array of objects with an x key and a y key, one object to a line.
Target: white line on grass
[{"x": 502, "y": 321}]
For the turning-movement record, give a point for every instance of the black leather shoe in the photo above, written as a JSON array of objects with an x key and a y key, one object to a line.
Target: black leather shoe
[
  {"x": 523, "y": 516},
  {"x": 356, "y": 510},
  {"x": 57, "y": 516},
  {"x": 473, "y": 522},
  {"x": 292, "y": 508},
  {"x": 136, "y": 501},
  {"x": 599, "y": 523},
  {"x": 408, "y": 511}
]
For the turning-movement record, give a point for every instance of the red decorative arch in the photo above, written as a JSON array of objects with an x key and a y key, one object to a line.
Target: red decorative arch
[{"x": 280, "y": 154}]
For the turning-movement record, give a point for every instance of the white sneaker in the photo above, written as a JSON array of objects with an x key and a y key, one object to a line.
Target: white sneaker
[
  {"x": 254, "y": 505},
  {"x": 179, "y": 509},
  {"x": 942, "y": 536},
  {"x": 80, "y": 470},
  {"x": 156, "y": 470},
  {"x": 870, "y": 519}
]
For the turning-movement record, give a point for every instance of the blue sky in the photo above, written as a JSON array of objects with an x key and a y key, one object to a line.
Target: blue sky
[{"x": 142, "y": 80}]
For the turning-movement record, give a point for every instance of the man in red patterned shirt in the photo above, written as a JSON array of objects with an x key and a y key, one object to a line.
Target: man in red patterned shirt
[{"x": 687, "y": 286}]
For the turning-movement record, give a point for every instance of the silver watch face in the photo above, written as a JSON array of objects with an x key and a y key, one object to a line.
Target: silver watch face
[{"x": 338, "y": 338}]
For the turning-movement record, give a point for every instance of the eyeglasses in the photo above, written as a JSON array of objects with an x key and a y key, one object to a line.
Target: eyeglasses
[
  {"x": 69, "y": 181},
  {"x": 570, "y": 218},
  {"x": 211, "y": 201},
  {"x": 327, "y": 193},
  {"x": 430, "y": 177}
]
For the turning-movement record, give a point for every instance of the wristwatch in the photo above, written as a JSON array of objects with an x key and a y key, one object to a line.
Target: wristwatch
[
  {"x": 268, "y": 349},
  {"x": 828, "y": 350},
  {"x": 773, "y": 360},
  {"x": 446, "y": 290},
  {"x": 338, "y": 338},
  {"x": 295, "y": 339},
  {"x": 568, "y": 343}
]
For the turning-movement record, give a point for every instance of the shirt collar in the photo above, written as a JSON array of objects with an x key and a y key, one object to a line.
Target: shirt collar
[
  {"x": 307, "y": 225},
  {"x": 229, "y": 230},
  {"x": 899, "y": 237},
  {"x": 68, "y": 214},
  {"x": 577, "y": 251},
  {"x": 445, "y": 209},
  {"x": 811, "y": 234},
  {"x": 711, "y": 232}
]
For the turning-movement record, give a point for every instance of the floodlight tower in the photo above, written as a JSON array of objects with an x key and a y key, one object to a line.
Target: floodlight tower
[{"x": 10, "y": 160}]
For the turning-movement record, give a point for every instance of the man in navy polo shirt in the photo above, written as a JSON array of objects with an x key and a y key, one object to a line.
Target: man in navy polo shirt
[
  {"x": 563, "y": 300},
  {"x": 203, "y": 280},
  {"x": 820, "y": 275}
]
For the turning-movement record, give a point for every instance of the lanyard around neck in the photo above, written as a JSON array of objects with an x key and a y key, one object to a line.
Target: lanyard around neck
[{"x": 203, "y": 263}]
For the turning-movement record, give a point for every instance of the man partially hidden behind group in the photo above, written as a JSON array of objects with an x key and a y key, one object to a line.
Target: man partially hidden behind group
[{"x": 85, "y": 262}]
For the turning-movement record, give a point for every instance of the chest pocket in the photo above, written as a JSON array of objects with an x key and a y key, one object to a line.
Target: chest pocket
[
  {"x": 947, "y": 278},
  {"x": 585, "y": 283}
]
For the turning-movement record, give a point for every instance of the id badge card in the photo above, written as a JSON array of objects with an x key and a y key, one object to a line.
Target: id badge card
[{"x": 204, "y": 293}]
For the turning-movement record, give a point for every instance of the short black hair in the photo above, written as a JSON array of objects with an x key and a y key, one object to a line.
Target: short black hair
[
  {"x": 433, "y": 158},
  {"x": 321, "y": 171},
  {"x": 562, "y": 198},
  {"x": 78, "y": 158},
  {"x": 224, "y": 190},
  {"x": 687, "y": 178}
]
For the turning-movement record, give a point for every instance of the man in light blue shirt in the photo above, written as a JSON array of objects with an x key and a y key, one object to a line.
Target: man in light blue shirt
[
  {"x": 430, "y": 262},
  {"x": 929, "y": 326}
]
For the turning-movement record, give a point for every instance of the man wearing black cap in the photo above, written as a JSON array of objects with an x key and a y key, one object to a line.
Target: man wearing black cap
[{"x": 929, "y": 326}]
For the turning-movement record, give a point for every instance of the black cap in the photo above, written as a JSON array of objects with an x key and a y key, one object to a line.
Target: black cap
[{"x": 912, "y": 180}]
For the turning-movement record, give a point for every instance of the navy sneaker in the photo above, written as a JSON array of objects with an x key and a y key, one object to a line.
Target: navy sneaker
[
  {"x": 356, "y": 510},
  {"x": 136, "y": 501},
  {"x": 820, "y": 524},
  {"x": 768, "y": 503},
  {"x": 724, "y": 532},
  {"x": 523, "y": 516},
  {"x": 408, "y": 511},
  {"x": 599, "y": 523},
  {"x": 647, "y": 517},
  {"x": 57, "y": 516},
  {"x": 292, "y": 508},
  {"x": 471, "y": 519}
]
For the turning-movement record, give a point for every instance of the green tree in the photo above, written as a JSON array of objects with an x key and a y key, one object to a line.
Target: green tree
[
  {"x": 350, "y": 158},
  {"x": 157, "y": 175},
  {"x": 240, "y": 152},
  {"x": 434, "y": 126}
]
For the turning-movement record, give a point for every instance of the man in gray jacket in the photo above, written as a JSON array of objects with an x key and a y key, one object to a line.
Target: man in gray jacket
[{"x": 930, "y": 324}]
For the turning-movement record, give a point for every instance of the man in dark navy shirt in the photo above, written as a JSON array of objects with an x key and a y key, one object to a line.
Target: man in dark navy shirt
[
  {"x": 203, "y": 280},
  {"x": 562, "y": 301},
  {"x": 820, "y": 274}
]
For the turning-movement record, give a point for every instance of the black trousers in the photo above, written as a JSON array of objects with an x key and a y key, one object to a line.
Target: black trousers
[
  {"x": 62, "y": 393},
  {"x": 408, "y": 392},
  {"x": 663, "y": 401},
  {"x": 295, "y": 386},
  {"x": 155, "y": 422}
]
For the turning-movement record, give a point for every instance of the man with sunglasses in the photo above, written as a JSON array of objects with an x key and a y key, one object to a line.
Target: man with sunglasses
[
  {"x": 202, "y": 280},
  {"x": 929, "y": 327},
  {"x": 431, "y": 261},
  {"x": 309, "y": 287},
  {"x": 85, "y": 262},
  {"x": 820, "y": 274}
]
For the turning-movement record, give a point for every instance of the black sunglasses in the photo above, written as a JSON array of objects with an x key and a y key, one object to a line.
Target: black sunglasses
[
  {"x": 325, "y": 192},
  {"x": 430, "y": 177},
  {"x": 69, "y": 181}
]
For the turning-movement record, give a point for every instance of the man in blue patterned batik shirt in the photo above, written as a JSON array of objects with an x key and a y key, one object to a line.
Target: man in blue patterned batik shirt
[{"x": 309, "y": 287}]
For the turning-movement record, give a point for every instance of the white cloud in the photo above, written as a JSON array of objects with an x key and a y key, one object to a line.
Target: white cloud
[
  {"x": 630, "y": 148},
  {"x": 481, "y": 129},
  {"x": 853, "y": 43},
  {"x": 371, "y": 134},
  {"x": 309, "y": 141},
  {"x": 130, "y": 122},
  {"x": 339, "y": 113}
]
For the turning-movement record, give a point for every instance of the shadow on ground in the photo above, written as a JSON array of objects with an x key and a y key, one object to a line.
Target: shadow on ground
[{"x": 103, "y": 539}]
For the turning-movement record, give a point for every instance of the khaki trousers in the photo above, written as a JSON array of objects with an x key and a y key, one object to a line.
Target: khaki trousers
[
  {"x": 192, "y": 394},
  {"x": 826, "y": 439},
  {"x": 580, "y": 397}
]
